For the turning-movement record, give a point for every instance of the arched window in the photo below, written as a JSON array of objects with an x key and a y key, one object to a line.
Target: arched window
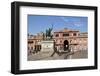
[
  {"x": 74, "y": 34},
  {"x": 57, "y": 35}
]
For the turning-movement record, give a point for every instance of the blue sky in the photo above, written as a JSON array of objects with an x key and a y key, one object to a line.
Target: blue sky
[{"x": 39, "y": 23}]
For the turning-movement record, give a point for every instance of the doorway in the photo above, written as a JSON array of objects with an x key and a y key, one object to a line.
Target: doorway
[{"x": 66, "y": 45}]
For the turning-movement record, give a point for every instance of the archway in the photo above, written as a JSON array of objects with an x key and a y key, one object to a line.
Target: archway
[{"x": 66, "y": 45}]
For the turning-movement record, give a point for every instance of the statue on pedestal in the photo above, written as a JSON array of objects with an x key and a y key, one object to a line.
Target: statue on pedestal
[{"x": 49, "y": 34}]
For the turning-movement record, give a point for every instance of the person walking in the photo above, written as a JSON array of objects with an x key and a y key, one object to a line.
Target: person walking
[{"x": 55, "y": 51}]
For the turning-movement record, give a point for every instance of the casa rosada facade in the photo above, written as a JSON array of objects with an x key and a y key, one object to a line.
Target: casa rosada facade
[{"x": 74, "y": 38}]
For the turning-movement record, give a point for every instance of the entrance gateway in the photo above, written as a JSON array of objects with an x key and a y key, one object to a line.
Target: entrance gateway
[{"x": 66, "y": 45}]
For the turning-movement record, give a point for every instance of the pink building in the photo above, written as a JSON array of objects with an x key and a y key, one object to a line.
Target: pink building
[{"x": 74, "y": 38}]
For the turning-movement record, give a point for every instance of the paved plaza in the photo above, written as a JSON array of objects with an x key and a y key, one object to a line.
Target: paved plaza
[{"x": 47, "y": 56}]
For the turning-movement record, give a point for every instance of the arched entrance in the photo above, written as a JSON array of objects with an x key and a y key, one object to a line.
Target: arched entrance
[{"x": 66, "y": 45}]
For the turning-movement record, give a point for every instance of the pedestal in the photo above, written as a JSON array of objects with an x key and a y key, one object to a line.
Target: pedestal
[{"x": 47, "y": 46}]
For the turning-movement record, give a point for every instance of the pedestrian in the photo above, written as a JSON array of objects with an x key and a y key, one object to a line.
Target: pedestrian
[{"x": 55, "y": 51}]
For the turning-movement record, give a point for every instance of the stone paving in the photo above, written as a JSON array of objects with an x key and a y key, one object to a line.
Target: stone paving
[{"x": 47, "y": 56}]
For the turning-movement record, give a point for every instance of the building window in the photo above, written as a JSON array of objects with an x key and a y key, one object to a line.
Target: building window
[
  {"x": 30, "y": 42},
  {"x": 57, "y": 35},
  {"x": 74, "y": 34},
  {"x": 28, "y": 48},
  {"x": 31, "y": 48},
  {"x": 61, "y": 41},
  {"x": 65, "y": 34}
]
